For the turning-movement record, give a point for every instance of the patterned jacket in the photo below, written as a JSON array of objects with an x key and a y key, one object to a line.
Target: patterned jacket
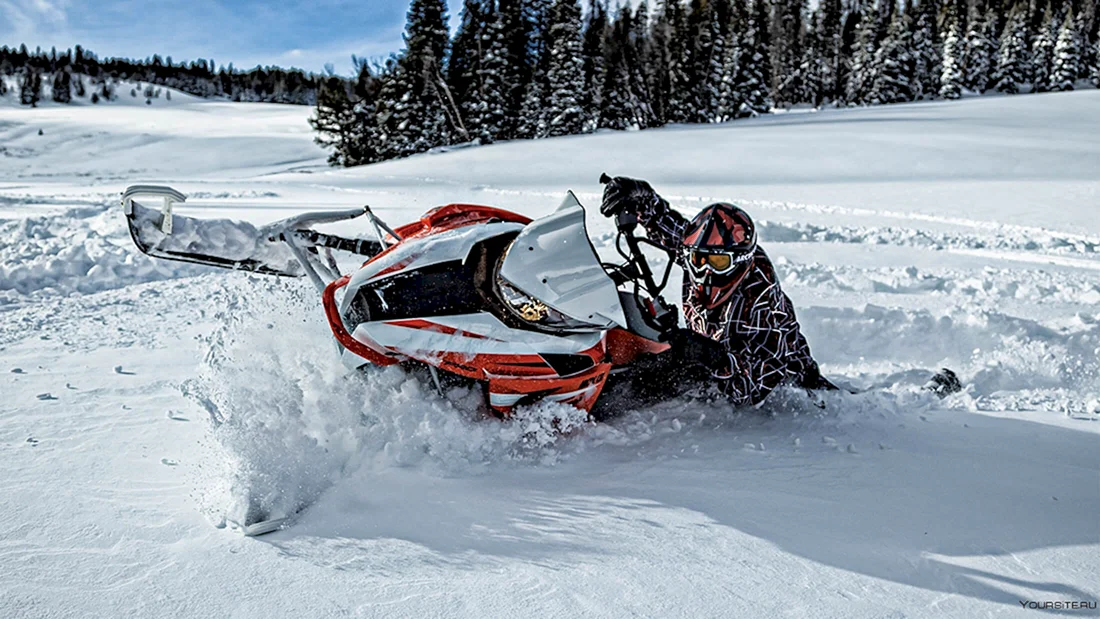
[{"x": 757, "y": 324}]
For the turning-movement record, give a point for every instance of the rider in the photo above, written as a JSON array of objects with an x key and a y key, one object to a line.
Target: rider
[{"x": 743, "y": 332}]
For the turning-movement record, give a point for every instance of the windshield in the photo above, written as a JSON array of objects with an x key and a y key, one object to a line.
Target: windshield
[
  {"x": 553, "y": 261},
  {"x": 570, "y": 201}
]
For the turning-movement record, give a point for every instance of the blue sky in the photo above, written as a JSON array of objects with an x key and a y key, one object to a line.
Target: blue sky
[{"x": 301, "y": 33}]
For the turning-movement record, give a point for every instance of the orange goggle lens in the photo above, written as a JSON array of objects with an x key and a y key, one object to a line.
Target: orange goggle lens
[{"x": 719, "y": 263}]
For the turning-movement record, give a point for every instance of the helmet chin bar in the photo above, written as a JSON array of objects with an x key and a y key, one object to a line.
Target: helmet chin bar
[{"x": 713, "y": 293}]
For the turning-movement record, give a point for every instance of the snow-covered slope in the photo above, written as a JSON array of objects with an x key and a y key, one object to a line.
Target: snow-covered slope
[{"x": 910, "y": 237}]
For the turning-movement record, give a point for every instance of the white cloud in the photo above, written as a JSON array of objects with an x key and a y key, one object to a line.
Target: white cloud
[
  {"x": 339, "y": 54},
  {"x": 52, "y": 11},
  {"x": 32, "y": 20}
]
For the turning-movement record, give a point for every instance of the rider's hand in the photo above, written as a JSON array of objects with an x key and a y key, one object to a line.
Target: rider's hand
[
  {"x": 697, "y": 348},
  {"x": 625, "y": 194}
]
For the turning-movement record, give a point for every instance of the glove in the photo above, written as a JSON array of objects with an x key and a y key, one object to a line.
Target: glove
[
  {"x": 622, "y": 193},
  {"x": 699, "y": 349}
]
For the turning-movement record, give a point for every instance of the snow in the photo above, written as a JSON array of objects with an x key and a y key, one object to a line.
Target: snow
[{"x": 148, "y": 406}]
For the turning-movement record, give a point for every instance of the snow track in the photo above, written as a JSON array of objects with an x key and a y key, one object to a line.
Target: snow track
[{"x": 150, "y": 406}]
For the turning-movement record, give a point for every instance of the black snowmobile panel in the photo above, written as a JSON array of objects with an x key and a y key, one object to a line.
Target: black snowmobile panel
[{"x": 443, "y": 289}]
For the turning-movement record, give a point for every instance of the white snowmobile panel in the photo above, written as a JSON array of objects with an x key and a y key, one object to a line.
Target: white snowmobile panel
[
  {"x": 510, "y": 399},
  {"x": 414, "y": 254},
  {"x": 553, "y": 261},
  {"x": 470, "y": 334}
]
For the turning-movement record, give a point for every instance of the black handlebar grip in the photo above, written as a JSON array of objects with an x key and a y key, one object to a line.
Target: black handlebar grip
[
  {"x": 362, "y": 247},
  {"x": 604, "y": 178}
]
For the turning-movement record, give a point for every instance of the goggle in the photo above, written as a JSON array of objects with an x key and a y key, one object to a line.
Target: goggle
[{"x": 719, "y": 263}]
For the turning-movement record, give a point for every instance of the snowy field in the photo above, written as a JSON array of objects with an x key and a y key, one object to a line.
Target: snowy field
[{"x": 963, "y": 234}]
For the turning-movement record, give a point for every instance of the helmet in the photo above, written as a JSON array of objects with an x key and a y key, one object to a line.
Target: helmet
[{"x": 718, "y": 249}]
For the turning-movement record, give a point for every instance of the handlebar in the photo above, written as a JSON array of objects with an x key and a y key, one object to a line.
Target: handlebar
[{"x": 665, "y": 317}]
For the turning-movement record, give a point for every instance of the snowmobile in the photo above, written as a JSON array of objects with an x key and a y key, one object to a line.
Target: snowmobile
[{"x": 526, "y": 308}]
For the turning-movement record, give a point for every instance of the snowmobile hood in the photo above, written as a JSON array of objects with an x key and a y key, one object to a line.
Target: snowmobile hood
[
  {"x": 552, "y": 260},
  {"x": 417, "y": 253}
]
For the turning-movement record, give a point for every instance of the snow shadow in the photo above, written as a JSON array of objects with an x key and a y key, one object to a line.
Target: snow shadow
[{"x": 941, "y": 500}]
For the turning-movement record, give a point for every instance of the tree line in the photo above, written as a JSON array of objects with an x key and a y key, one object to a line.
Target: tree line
[
  {"x": 79, "y": 72},
  {"x": 518, "y": 69}
]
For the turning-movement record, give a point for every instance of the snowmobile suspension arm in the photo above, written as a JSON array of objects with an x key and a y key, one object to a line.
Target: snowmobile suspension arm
[{"x": 312, "y": 238}]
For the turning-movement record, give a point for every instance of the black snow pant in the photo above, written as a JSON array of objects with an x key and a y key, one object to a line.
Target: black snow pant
[
  {"x": 658, "y": 378},
  {"x": 652, "y": 379}
]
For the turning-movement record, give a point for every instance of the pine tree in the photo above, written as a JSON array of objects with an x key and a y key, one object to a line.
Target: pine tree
[
  {"x": 786, "y": 50},
  {"x": 364, "y": 128},
  {"x": 657, "y": 74},
  {"x": 753, "y": 79},
  {"x": 729, "y": 97},
  {"x": 1014, "y": 55},
  {"x": 533, "y": 123},
  {"x": 640, "y": 57},
  {"x": 830, "y": 41},
  {"x": 1085, "y": 23},
  {"x": 62, "y": 86},
  {"x": 886, "y": 11},
  {"x": 706, "y": 62},
  {"x": 1042, "y": 51},
  {"x": 892, "y": 65},
  {"x": 532, "y": 118},
  {"x": 466, "y": 58},
  {"x": 595, "y": 63},
  {"x": 681, "y": 95},
  {"x": 981, "y": 51},
  {"x": 861, "y": 75},
  {"x": 1067, "y": 56},
  {"x": 424, "y": 115},
  {"x": 927, "y": 62},
  {"x": 565, "y": 75},
  {"x": 346, "y": 117},
  {"x": 617, "y": 109},
  {"x": 333, "y": 119},
  {"x": 695, "y": 33},
  {"x": 517, "y": 30},
  {"x": 491, "y": 117},
  {"x": 810, "y": 70},
  {"x": 477, "y": 72},
  {"x": 30, "y": 87},
  {"x": 849, "y": 44},
  {"x": 954, "y": 47},
  {"x": 392, "y": 107},
  {"x": 1094, "y": 75}
]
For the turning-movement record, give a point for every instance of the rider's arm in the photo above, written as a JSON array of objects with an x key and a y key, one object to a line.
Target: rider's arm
[
  {"x": 663, "y": 225},
  {"x": 750, "y": 378}
]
